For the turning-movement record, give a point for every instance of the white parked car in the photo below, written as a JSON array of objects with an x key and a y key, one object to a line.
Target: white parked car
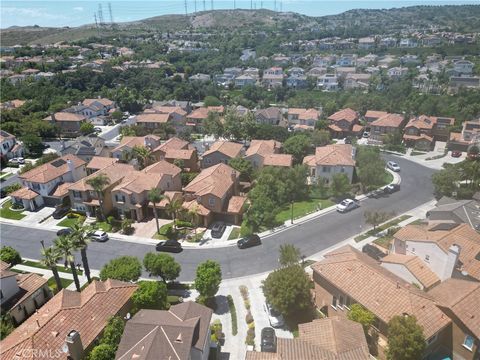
[
  {"x": 17, "y": 161},
  {"x": 393, "y": 166},
  {"x": 274, "y": 317},
  {"x": 98, "y": 235},
  {"x": 347, "y": 205}
]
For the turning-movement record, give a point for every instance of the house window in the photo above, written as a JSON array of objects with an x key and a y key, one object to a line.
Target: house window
[
  {"x": 334, "y": 302},
  {"x": 342, "y": 169},
  {"x": 468, "y": 342},
  {"x": 432, "y": 339},
  {"x": 326, "y": 169},
  {"x": 341, "y": 301},
  {"x": 211, "y": 201},
  {"x": 348, "y": 302},
  {"x": 77, "y": 194},
  {"x": 427, "y": 257}
]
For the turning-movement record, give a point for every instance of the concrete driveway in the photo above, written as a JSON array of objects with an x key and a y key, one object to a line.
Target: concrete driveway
[{"x": 148, "y": 228}]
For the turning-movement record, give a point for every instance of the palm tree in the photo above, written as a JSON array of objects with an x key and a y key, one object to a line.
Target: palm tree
[
  {"x": 66, "y": 248},
  {"x": 173, "y": 207},
  {"x": 143, "y": 155},
  {"x": 81, "y": 240},
  {"x": 155, "y": 196},
  {"x": 194, "y": 214},
  {"x": 98, "y": 183},
  {"x": 50, "y": 257}
]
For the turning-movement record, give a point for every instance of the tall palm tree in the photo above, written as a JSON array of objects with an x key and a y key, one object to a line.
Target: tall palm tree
[
  {"x": 155, "y": 196},
  {"x": 50, "y": 257},
  {"x": 98, "y": 183},
  {"x": 194, "y": 214},
  {"x": 173, "y": 207},
  {"x": 81, "y": 240},
  {"x": 143, "y": 155},
  {"x": 66, "y": 248}
]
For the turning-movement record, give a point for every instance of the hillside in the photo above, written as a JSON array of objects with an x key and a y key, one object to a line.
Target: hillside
[{"x": 465, "y": 18}]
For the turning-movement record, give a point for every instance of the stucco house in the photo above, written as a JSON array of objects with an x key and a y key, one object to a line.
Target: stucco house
[
  {"x": 267, "y": 153},
  {"x": 68, "y": 123},
  {"x": 221, "y": 152},
  {"x": 330, "y": 160}
]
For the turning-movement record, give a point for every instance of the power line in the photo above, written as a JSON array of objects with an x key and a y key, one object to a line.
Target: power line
[{"x": 275, "y": 5}]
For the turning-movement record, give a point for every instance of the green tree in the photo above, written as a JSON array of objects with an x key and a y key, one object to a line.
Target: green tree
[
  {"x": 234, "y": 124},
  {"x": 66, "y": 247},
  {"x": 376, "y": 218},
  {"x": 288, "y": 290},
  {"x": 81, "y": 240},
  {"x": 126, "y": 226},
  {"x": 361, "y": 315},
  {"x": 87, "y": 128},
  {"x": 98, "y": 184},
  {"x": 102, "y": 352},
  {"x": 340, "y": 185},
  {"x": 211, "y": 101},
  {"x": 10, "y": 255},
  {"x": 6, "y": 326},
  {"x": 298, "y": 146},
  {"x": 212, "y": 125},
  {"x": 173, "y": 207},
  {"x": 50, "y": 258},
  {"x": 405, "y": 339},
  {"x": 162, "y": 265},
  {"x": 207, "y": 280},
  {"x": 33, "y": 145},
  {"x": 117, "y": 115},
  {"x": 112, "y": 334},
  {"x": 289, "y": 255},
  {"x": 243, "y": 166},
  {"x": 155, "y": 196},
  {"x": 124, "y": 268},
  {"x": 320, "y": 138},
  {"x": 446, "y": 180},
  {"x": 370, "y": 167},
  {"x": 150, "y": 295},
  {"x": 142, "y": 155}
]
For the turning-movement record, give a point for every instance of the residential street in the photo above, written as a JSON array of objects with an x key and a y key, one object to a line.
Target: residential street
[{"x": 310, "y": 237}]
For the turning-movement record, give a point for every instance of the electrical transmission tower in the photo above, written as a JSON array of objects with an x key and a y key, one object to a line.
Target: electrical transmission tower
[
  {"x": 95, "y": 18},
  {"x": 204, "y": 8},
  {"x": 100, "y": 15},
  {"x": 212, "y": 4},
  {"x": 186, "y": 11},
  {"x": 110, "y": 12}
]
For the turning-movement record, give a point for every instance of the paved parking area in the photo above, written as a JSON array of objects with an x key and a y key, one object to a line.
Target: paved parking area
[
  {"x": 207, "y": 237},
  {"x": 36, "y": 216}
]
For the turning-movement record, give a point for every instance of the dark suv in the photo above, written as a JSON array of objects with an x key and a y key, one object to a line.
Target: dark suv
[
  {"x": 269, "y": 340},
  {"x": 373, "y": 252},
  {"x": 249, "y": 241},
  {"x": 218, "y": 229}
]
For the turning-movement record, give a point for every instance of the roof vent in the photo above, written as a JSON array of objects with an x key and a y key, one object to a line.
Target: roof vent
[{"x": 179, "y": 338}]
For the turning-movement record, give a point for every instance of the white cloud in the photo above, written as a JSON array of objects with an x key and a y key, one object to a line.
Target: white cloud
[
  {"x": 78, "y": 8},
  {"x": 32, "y": 13}
]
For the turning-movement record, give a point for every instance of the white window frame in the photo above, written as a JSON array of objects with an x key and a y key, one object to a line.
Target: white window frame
[
  {"x": 334, "y": 301},
  {"x": 466, "y": 346}
]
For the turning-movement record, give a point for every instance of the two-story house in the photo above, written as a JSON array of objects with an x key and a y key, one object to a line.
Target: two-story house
[
  {"x": 344, "y": 123},
  {"x": 221, "y": 152},
  {"x": 303, "y": 119},
  {"x": 357, "y": 81},
  {"x": 270, "y": 116},
  {"x": 386, "y": 124},
  {"x": 9, "y": 147},
  {"x": 177, "y": 150},
  {"x": 152, "y": 120},
  {"x": 177, "y": 117},
  {"x": 124, "y": 150},
  {"x": 267, "y": 153},
  {"x": 366, "y": 43},
  {"x": 347, "y": 60},
  {"x": 422, "y": 131},
  {"x": 41, "y": 183},
  {"x": 273, "y": 77},
  {"x": 328, "y": 82},
  {"x": 22, "y": 294},
  {"x": 470, "y": 135},
  {"x": 330, "y": 160},
  {"x": 458, "y": 211},
  {"x": 397, "y": 72},
  {"x": 463, "y": 68},
  {"x": 186, "y": 327},
  {"x": 196, "y": 118},
  {"x": 346, "y": 276},
  {"x": 68, "y": 123},
  {"x": 244, "y": 80},
  {"x": 214, "y": 193},
  {"x": 86, "y": 147}
]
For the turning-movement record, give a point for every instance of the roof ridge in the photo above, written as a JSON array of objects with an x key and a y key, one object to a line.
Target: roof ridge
[
  {"x": 131, "y": 348},
  {"x": 169, "y": 342}
]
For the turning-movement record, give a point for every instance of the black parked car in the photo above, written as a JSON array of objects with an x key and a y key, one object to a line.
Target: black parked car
[
  {"x": 269, "y": 340},
  {"x": 218, "y": 229},
  {"x": 249, "y": 241},
  {"x": 390, "y": 189},
  {"x": 373, "y": 252},
  {"x": 64, "y": 232},
  {"x": 60, "y": 212},
  {"x": 169, "y": 246}
]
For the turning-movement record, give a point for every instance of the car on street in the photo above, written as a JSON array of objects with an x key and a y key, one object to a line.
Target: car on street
[
  {"x": 390, "y": 189},
  {"x": 268, "y": 340},
  {"x": 97, "y": 129},
  {"x": 373, "y": 252},
  {"x": 17, "y": 161},
  {"x": 98, "y": 235},
  {"x": 64, "y": 232},
  {"x": 456, "y": 154},
  {"x": 169, "y": 246},
  {"x": 366, "y": 134},
  {"x": 347, "y": 205},
  {"x": 60, "y": 212},
  {"x": 392, "y": 165},
  {"x": 218, "y": 229},
  {"x": 249, "y": 241},
  {"x": 348, "y": 140},
  {"x": 274, "y": 317}
]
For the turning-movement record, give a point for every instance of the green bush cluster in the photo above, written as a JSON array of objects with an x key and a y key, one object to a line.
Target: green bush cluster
[{"x": 233, "y": 314}]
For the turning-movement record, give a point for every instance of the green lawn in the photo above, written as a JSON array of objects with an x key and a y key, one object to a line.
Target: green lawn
[
  {"x": 196, "y": 237},
  {"x": 7, "y": 213},
  {"x": 381, "y": 228},
  {"x": 53, "y": 285},
  {"x": 235, "y": 234},
  {"x": 4, "y": 176},
  {"x": 159, "y": 237},
  {"x": 69, "y": 222},
  {"x": 173, "y": 299},
  {"x": 102, "y": 225},
  {"x": 301, "y": 208},
  {"x": 40, "y": 266},
  {"x": 384, "y": 241}
]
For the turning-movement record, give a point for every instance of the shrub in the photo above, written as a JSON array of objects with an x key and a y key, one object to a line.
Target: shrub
[
  {"x": 247, "y": 304},
  {"x": 10, "y": 255},
  {"x": 249, "y": 317},
  {"x": 392, "y": 230},
  {"x": 250, "y": 340},
  {"x": 124, "y": 268},
  {"x": 244, "y": 292},
  {"x": 16, "y": 206},
  {"x": 110, "y": 219},
  {"x": 183, "y": 224},
  {"x": 11, "y": 188},
  {"x": 233, "y": 314},
  {"x": 71, "y": 215}
]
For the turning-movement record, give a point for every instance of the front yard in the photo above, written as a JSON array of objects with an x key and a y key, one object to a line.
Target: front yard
[
  {"x": 301, "y": 208},
  {"x": 70, "y": 222},
  {"x": 7, "y": 213}
]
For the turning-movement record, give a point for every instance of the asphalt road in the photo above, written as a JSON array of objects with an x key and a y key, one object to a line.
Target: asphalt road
[{"x": 310, "y": 237}]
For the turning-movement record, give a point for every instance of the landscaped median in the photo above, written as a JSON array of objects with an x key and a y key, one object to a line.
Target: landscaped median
[{"x": 381, "y": 228}]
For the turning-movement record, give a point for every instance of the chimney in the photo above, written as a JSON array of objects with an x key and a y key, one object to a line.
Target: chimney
[
  {"x": 70, "y": 165},
  {"x": 74, "y": 345},
  {"x": 452, "y": 258}
]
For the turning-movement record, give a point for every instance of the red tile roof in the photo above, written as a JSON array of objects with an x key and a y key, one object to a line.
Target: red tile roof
[
  {"x": 50, "y": 171},
  {"x": 344, "y": 114},
  {"x": 336, "y": 154}
]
